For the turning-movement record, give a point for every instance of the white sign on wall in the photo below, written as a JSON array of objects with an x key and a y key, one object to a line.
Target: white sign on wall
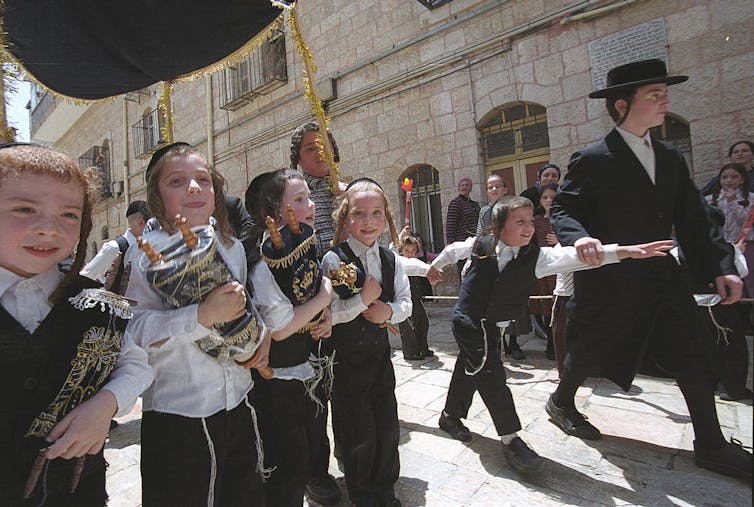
[{"x": 640, "y": 42}]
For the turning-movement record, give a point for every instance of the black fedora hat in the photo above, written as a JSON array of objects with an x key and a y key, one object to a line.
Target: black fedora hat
[{"x": 635, "y": 74}]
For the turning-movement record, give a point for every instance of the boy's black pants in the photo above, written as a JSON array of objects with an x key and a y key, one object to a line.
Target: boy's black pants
[
  {"x": 489, "y": 381},
  {"x": 282, "y": 413},
  {"x": 176, "y": 459},
  {"x": 364, "y": 402},
  {"x": 414, "y": 329}
]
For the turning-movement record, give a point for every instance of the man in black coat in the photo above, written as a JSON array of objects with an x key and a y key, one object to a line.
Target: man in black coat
[{"x": 629, "y": 189}]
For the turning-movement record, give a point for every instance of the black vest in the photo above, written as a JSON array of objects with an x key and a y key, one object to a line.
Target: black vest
[
  {"x": 357, "y": 340},
  {"x": 43, "y": 376},
  {"x": 497, "y": 295}
]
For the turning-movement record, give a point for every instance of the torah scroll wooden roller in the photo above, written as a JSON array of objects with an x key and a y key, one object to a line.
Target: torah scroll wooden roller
[
  {"x": 293, "y": 225},
  {"x": 277, "y": 239},
  {"x": 189, "y": 236},
  {"x": 153, "y": 255}
]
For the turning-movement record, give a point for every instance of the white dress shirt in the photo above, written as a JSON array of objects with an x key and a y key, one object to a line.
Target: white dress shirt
[
  {"x": 27, "y": 301},
  {"x": 96, "y": 268},
  {"x": 345, "y": 310},
  {"x": 642, "y": 148},
  {"x": 187, "y": 381},
  {"x": 551, "y": 260}
]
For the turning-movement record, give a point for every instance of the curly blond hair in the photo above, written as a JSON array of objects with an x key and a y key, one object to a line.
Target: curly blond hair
[{"x": 341, "y": 212}]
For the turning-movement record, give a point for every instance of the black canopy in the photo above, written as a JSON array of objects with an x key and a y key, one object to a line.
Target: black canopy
[{"x": 92, "y": 49}]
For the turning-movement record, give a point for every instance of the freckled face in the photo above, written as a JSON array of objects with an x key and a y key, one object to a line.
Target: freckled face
[
  {"x": 40, "y": 222},
  {"x": 185, "y": 187},
  {"x": 518, "y": 228},
  {"x": 366, "y": 217}
]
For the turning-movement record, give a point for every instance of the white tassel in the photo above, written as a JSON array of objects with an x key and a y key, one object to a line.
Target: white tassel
[
  {"x": 263, "y": 472},
  {"x": 213, "y": 466},
  {"x": 721, "y": 330},
  {"x": 484, "y": 357}
]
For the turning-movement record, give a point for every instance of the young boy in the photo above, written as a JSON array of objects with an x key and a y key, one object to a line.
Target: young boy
[
  {"x": 66, "y": 367},
  {"x": 504, "y": 268},
  {"x": 631, "y": 188},
  {"x": 414, "y": 329}
]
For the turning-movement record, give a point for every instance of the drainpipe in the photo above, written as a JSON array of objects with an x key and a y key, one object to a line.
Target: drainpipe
[
  {"x": 479, "y": 161},
  {"x": 126, "y": 179}
]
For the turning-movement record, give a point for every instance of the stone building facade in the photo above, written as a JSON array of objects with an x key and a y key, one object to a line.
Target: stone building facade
[{"x": 462, "y": 89}]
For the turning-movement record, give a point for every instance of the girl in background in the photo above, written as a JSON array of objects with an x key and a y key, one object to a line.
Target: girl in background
[{"x": 544, "y": 236}]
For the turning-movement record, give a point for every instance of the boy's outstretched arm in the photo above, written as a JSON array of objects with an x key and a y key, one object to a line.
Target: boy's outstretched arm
[{"x": 645, "y": 250}]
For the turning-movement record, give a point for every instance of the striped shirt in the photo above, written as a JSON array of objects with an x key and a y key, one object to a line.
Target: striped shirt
[
  {"x": 461, "y": 220},
  {"x": 323, "y": 204}
]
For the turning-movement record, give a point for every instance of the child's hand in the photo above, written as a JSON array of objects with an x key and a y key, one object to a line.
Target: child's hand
[
  {"x": 551, "y": 239},
  {"x": 83, "y": 431},
  {"x": 261, "y": 357},
  {"x": 729, "y": 287},
  {"x": 434, "y": 275},
  {"x": 741, "y": 245},
  {"x": 224, "y": 304},
  {"x": 646, "y": 250},
  {"x": 378, "y": 312},
  {"x": 371, "y": 290},
  {"x": 589, "y": 251},
  {"x": 324, "y": 328}
]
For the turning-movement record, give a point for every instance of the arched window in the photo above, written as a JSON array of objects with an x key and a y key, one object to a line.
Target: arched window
[
  {"x": 426, "y": 208},
  {"x": 675, "y": 130},
  {"x": 515, "y": 143}
]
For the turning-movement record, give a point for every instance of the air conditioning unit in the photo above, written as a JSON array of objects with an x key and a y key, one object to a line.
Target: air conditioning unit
[{"x": 117, "y": 187}]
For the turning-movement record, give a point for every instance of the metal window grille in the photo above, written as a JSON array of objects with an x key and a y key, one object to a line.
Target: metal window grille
[
  {"x": 261, "y": 72},
  {"x": 99, "y": 157},
  {"x": 146, "y": 133}
]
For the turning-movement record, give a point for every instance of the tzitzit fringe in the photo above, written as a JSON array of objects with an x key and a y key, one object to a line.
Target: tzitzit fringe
[
  {"x": 108, "y": 301},
  {"x": 264, "y": 473},
  {"x": 288, "y": 260},
  {"x": 323, "y": 368},
  {"x": 719, "y": 330},
  {"x": 323, "y": 142}
]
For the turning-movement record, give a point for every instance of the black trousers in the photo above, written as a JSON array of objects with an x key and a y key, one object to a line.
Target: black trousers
[
  {"x": 731, "y": 355},
  {"x": 489, "y": 381},
  {"x": 176, "y": 459},
  {"x": 364, "y": 402},
  {"x": 414, "y": 329},
  {"x": 672, "y": 353},
  {"x": 282, "y": 415}
]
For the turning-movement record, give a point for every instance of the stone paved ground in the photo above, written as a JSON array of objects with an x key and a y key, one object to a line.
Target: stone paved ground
[{"x": 645, "y": 457}]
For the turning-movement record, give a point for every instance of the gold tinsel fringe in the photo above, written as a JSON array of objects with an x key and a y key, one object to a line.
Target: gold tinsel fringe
[
  {"x": 314, "y": 103},
  {"x": 166, "y": 111},
  {"x": 288, "y": 260}
]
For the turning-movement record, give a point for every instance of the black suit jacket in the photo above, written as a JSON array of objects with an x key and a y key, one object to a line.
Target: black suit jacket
[{"x": 607, "y": 194}]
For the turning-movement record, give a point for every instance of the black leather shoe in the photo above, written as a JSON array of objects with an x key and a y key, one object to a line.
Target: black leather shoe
[
  {"x": 571, "y": 421},
  {"x": 731, "y": 459},
  {"x": 521, "y": 457},
  {"x": 429, "y": 353},
  {"x": 455, "y": 428},
  {"x": 745, "y": 394},
  {"x": 418, "y": 356},
  {"x": 323, "y": 490}
]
